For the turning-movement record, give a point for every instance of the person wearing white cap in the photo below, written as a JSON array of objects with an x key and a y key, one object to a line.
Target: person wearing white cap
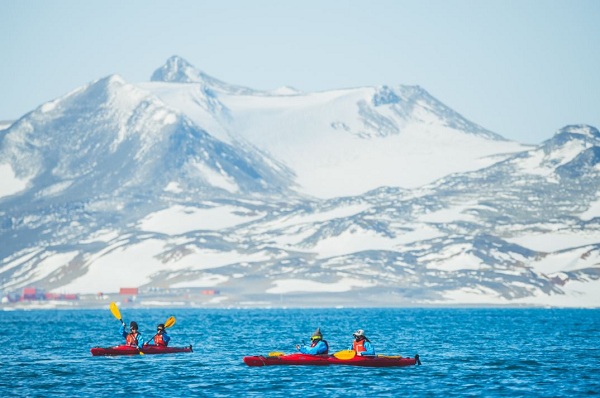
[{"x": 361, "y": 344}]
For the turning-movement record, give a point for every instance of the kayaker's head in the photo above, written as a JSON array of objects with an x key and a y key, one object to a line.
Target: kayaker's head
[
  {"x": 317, "y": 335},
  {"x": 133, "y": 326},
  {"x": 160, "y": 329},
  {"x": 359, "y": 335}
]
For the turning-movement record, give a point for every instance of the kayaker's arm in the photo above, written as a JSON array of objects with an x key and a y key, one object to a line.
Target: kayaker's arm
[
  {"x": 320, "y": 348},
  {"x": 166, "y": 338},
  {"x": 370, "y": 350}
]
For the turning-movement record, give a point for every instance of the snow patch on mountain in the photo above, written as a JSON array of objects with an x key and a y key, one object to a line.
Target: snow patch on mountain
[
  {"x": 579, "y": 294},
  {"x": 320, "y": 216},
  {"x": 218, "y": 179},
  {"x": 286, "y": 90},
  {"x": 474, "y": 295},
  {"x": 52, "y": 261},
  {"x": 283, "y": 286},
  {"x": 178, "y": 219},
  {"x": 118, "y": 260},
  {"x": 207, "y": 280},
  {"x": 11, "y": 184},
  {"x": 571, "y": 259},
  {"x": 451, "y": 214},
  {"x": 103, "y": 235},
  {"x": 593, "y": 210},
  {"x": 350, "y": 241},
  {"x": 551, "y": 240},
  {"x": 198, "y": 103},
  {"x": 304, "y": 132}
]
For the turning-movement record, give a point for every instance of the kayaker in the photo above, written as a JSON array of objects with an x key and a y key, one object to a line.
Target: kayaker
[
  {"x": 361, "y": 344},
  {"x": 133, "y": 337},
  {"x": 161, "y": 338},
  {"x": 318, "y": 346}
]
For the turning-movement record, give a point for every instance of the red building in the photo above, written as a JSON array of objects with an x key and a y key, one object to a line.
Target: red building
[{"x": 128, "y": 291}]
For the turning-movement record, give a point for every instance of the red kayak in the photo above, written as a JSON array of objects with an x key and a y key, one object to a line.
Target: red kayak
[
  {"x": 291, "y": 359},
  {"x": 380, "y": 361},
  {"x": 129, "y": 350}
]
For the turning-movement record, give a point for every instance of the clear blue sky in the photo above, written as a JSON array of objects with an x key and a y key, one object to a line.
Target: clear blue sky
[{"x": 521, "y": 68}]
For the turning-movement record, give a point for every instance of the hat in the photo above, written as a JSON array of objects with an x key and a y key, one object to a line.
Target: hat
[
  {"x": 317, "y": 334},
  {"x": 161, "y": 326},
  {"x": 133, "y": 325},
  {"x": 359, "y": 333}
]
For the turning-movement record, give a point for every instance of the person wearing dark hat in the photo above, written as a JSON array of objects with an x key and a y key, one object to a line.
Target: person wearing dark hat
[
  {"x": 133, "y": 337},
  {"x": 361, "y": 344},
  {"x": 161, "y": 338},
  {"x": 318, "y": 346}
]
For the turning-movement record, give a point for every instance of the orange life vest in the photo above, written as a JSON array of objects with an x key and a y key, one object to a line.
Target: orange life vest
[
  {"x": 132, "y": 339},
  {"x": 359, "y": 346},
  {"x": 158, "y": 340}
]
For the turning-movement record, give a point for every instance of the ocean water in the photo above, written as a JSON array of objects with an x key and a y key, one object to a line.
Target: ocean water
[{"x": 464, "y": 352}]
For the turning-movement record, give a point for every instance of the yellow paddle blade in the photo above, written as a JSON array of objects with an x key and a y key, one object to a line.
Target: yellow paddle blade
[
  {"x": 345, "y": 354},
  {"x": 276, "y": 354},
  {"x": 115, "y": 311},
  {"x": 170, "y": 322}
]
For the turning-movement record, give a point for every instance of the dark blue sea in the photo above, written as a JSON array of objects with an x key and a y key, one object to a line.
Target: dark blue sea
[{"x": 464, "y": 352}]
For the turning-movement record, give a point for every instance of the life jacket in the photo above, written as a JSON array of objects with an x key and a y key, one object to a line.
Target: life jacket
[
  {"x": 315, "y": 342},
  {"x": 158, "y": 340},
  {"x": 359, "y": 346},
  {"x": 132, "y": 339}
]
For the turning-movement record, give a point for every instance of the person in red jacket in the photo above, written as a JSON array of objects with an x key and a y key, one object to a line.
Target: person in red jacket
[
  {"x": 161, "y": 338},
  {"x": 133, "y": 337}
]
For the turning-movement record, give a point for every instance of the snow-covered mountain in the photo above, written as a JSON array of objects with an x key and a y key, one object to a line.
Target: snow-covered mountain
[
  {"x": 342, "y": 142},
  {"x": 365, "y": 196}
]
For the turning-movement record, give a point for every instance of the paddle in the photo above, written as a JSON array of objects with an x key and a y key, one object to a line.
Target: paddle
[
  {"x": 276, "y": 354},
  {"x": 117, "y": 314},
  {"x": 345, "y": 354},
  {"x": 168, "y": 323}
]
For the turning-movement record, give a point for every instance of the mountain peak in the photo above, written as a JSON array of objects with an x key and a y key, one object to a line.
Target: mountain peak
[
  {"x": 580, "y": 129},
  {"x": 571, "y": 133},
  {"x": 178, "y": 70}
]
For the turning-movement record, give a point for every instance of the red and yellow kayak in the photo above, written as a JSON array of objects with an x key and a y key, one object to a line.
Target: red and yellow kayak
[
  {"x": 129, "y": 350},
  {"x": 379, "y": 361}
]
